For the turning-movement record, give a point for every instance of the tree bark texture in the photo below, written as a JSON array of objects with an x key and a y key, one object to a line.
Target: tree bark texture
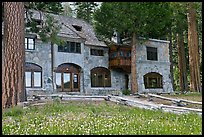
[
  {"x": 182, "y": 63},
  {"x": 134, "y": 84},
  {"x": 171, "y": 60},
  {"x": 195, "y": 84},
  {"x": 13, "y": 87}
]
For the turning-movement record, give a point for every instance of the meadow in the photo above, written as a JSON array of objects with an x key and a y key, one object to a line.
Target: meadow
[{"x": 96, "y": 118}]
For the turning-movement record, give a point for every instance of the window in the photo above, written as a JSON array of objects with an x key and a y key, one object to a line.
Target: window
[
  {"x": 113, "y": 55},
  {"x": 100, "y": 77},
  {"x": 77, "y": 28},
  {"x": 151, "y": 53},
  {"x": 153, "y": 80},
  {"x": 121, "y": 54},
  {"x": 33, "y": 75},
  {"x": 97, "y": 52},
  {"x": 29, "y": 43},
  {"x": 70, "y": 47},
  {"x": 128, "y": 54}
]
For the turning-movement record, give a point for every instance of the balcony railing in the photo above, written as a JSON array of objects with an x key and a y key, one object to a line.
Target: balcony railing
[
  {"x": 120, "y": 57},
  {"x": 120, "y": 63}
]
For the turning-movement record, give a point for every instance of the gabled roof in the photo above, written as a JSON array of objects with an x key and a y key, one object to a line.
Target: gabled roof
[{"x": 69, "y": 25}]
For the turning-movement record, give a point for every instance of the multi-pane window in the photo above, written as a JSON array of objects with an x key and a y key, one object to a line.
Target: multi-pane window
[
  {"x": 97, "y": 52},
  {"x": 153, "y": 80},
  {"x": 70, "y": 47},
  {"x": 152, "y": 53},
  {"x": 120, "y": 54},
  {"x": 113, "y": 55},
  {"x": 33, "y": 75},
  {"x": 29, "y": 43},
  {"x": 100, "y": 77}
]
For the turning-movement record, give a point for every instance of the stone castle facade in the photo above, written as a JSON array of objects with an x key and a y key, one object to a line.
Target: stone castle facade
[{"x": 81, "y": 65}]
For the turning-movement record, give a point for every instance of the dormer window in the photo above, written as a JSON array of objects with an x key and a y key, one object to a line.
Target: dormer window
[
  {"x": 29, "y": 43},
  {"x": 37, "y": 21},
  {"x": 77, "y": 28}
]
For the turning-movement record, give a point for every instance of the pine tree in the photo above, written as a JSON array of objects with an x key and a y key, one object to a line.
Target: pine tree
[
  {"x": 13, "y": 87},
  {"x": 195, "y": 84},
  {"x": 135, "y": 18},
  {"x": 85, "y": 10}
]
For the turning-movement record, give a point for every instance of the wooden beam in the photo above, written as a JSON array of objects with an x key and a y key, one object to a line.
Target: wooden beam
[
  {"x": 175, "y": 100},
  {"x": 146, "y": 105}
]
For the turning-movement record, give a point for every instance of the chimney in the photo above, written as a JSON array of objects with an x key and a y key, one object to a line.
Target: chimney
[{"x": 118, "y": 38}]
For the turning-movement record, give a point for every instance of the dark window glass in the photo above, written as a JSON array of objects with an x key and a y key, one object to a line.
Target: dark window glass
[
  {"x": 78, "y": 48},
  {"x": 114, "y": 55},
  {"x": 67, "y": 80},
  {"x": 121, "y": 54},
  {"x": 153, "y": 80},
  {"x": 60, "y": 48},
  {"x": 67, "y": 47},
  {"x": 76, "y": 81},
  {"x": 70, "y": 47},
  {"x": 97, "y": 52},
  {"x": 77, "y": 28},
  {"x": 151, "y": 53},
  {"x": 128, "y": 54},
  {"x": 100, "y": 77}
]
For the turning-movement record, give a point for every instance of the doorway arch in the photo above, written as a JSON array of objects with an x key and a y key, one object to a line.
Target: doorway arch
[
  {"x": 153, "y": 80},
  {"x": 67, "y": 77}
]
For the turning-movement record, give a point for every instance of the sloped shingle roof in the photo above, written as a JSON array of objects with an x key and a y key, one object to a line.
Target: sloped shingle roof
[{"x": 67, "y": 30}]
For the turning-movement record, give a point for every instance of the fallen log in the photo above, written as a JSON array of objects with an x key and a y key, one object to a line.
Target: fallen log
[
  {"x": 152, "y": 106},
  {"x": 178, "y": 101}
]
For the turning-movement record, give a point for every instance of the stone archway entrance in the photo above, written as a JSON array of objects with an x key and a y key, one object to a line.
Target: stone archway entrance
[
  {"x": 67, "y": 77},
  {"x": 153, "y": 80}
]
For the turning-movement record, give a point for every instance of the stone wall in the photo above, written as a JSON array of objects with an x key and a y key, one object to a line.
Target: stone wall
[
  {"x": 91, "y": 62},
  {"x": 42, "y": 57},
  {"x": 162, "y": 66},
  {"x": 75, "y": 58}
]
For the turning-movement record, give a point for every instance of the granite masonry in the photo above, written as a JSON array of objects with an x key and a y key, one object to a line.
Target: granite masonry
[{"x": 85, "y": 62}]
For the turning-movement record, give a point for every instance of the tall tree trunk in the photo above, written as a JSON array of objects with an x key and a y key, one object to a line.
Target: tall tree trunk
[
  {"x": 52, "y": 65},
  {"x": 13, "y": 86},
  {"x": 182, "y": 63},
  {"x": 195, "y": 84},
  {"x": 171, "y": 59},
  {"x": 134, "y": 84}
]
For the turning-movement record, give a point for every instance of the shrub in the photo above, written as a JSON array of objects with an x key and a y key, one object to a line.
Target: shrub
[{"x": 126, "y": 92}]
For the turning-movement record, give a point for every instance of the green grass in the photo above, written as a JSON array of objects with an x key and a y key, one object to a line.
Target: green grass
[{"x": 97, "y": 118}]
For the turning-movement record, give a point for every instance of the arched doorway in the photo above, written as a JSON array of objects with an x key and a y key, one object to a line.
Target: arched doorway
[
  {"x": 68, "y": 77},
  {"x": 153, "y": 80}
]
